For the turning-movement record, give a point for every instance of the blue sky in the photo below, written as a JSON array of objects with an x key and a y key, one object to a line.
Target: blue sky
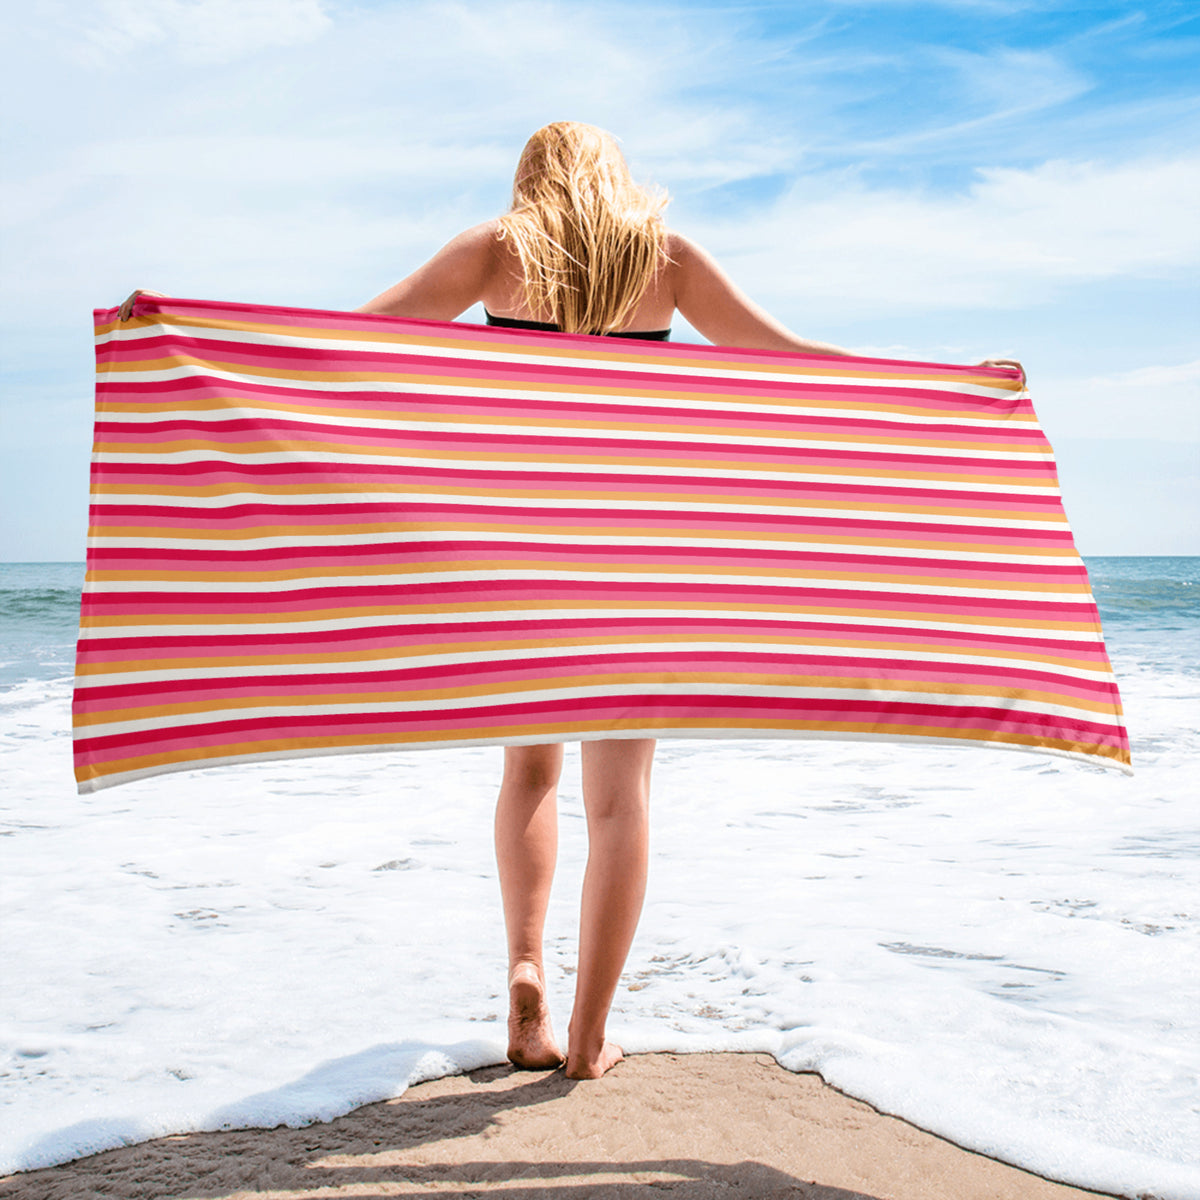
[{"x": 927, "y": 180}]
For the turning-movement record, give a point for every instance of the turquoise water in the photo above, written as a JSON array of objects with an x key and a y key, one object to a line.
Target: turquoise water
[
  {"x": 1150, "y": 609},
  {"x": 39, "y": 620}
]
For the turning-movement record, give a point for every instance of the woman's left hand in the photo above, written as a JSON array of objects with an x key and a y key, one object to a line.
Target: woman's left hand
[
  {"x": 1004, "y": 362},
  {"x": 127, "y": 304}
]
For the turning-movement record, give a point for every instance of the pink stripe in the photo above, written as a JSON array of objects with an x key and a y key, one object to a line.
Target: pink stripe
[
  {"x": 698, "y": 626},
  {"x": 776, "y": 669},
  {"x": 451, "y": 555},
  {"x": 572, "y": 407},
  {"x": 943, "y": 405},
  {"x": 648, "y": 709},
  {"x": 306, "y": 599}
]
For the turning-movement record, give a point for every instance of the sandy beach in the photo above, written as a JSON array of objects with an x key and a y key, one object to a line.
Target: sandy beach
[{"x": 696, "y": 1125}]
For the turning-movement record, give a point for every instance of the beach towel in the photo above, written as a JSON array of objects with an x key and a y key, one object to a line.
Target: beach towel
[{"x": 319, "y": 532}]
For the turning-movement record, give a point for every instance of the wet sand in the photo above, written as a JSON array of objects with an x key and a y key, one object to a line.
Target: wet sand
[{"x": 688, "y": 1126}]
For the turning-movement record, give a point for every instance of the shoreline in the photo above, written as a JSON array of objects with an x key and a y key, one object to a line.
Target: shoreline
[{"x": 690, "y": 1125}]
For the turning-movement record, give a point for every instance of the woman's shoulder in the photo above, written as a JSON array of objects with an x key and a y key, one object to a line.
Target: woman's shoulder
[
  {"x": 484, "y": 236},
  {"x": 688, "y": 264},
  {"x": 478, "y": 251},
  {"x": 682, "y": 250}
]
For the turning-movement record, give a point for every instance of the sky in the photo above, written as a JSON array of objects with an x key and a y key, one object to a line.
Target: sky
[{"x": 938, "y": 181}]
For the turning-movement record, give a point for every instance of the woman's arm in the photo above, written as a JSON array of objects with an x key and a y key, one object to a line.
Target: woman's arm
[
  {"x": 717, "y": 308},
  {"x": 448, "y": 284}
]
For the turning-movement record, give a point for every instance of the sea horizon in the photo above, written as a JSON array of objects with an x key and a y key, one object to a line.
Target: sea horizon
[{"x": 999, "y": 947}]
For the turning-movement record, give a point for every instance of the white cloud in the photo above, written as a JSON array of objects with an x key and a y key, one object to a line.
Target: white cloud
[
  {"x": 991, "y": 89},
  {"x": 1015, "y": 238},
  {"x": 196, "y": 30},
  {"x": 1149, "y": 402},
  {"x": 1006, "y": 81}
]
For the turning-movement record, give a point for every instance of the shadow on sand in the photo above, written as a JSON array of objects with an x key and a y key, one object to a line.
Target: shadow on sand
[{"x": 391, "y": 1149}]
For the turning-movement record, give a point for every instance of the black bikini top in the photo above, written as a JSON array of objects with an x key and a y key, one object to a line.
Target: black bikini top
[{"x": 653, "y": 335}]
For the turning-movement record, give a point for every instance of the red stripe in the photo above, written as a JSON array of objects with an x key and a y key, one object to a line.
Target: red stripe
[
  {"x": 648, "y": 708},
  {"x": 996, "y": 643},
  {"x": 365, "y": 595},
  {"x": 886, "y": 673},
  {"x": 572, "y": 406}
]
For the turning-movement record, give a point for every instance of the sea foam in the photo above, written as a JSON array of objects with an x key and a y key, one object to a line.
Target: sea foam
[{"x": 1001, "y": 948}]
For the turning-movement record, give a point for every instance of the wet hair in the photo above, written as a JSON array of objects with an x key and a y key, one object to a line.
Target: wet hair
[{"x": 588, "y": 238}]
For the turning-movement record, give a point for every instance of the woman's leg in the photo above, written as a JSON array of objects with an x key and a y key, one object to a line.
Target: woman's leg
[
  {"x": 616, "y": 795},
  {"x": 526, "y": 848}
]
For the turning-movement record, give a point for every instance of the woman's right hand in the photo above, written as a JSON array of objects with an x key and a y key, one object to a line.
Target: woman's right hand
[
  {"x": 128, "y": 303},
  {"x": 1004, "y": 362}
]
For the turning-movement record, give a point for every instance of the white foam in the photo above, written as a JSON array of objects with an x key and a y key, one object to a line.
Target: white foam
[{"x": 1001, "y": 948}]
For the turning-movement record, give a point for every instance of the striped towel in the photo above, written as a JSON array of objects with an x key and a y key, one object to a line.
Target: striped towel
[{"x": 319, "y": 532}]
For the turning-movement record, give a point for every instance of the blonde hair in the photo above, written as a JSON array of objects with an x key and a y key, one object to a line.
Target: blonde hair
[{"x": 589, "y": 239}]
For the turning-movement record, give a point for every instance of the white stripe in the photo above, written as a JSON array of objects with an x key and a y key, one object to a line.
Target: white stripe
[
  {"x": 523, "y": 655},
  {"x": 242, "y": 407},
  {"x": 536, "y": 465},
  {"x": 234, "y": 586},
  {"x": 300, "y": 542},
  {"x": 564, "y": 574},
  {"x": 569, "y": 429},
  {"x": 721, "y": 505},
  {"x": 850, "y": 550},
  {"x": 1082, "y": 637},
  {"x": 541, "y": 737},
  {"x": 609, "y": 360},
  {"x": 567, "y": 434},
  {"x": 412, "y": 707},
  {"x": 491, "y": 386}
]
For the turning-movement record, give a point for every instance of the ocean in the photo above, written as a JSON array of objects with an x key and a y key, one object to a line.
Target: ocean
[{"x": 1003, "y": 948}]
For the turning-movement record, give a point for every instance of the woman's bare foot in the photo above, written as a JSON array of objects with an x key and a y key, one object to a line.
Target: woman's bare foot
[
  {"x": 531, "y": 1044},
  {"x": 584, "y": 1065}
]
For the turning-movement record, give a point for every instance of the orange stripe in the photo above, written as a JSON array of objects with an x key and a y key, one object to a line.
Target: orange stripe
[
  {"x": 699, "y": 463},
  {"x": 420, "y": 696},
  {"x": 288, "y": 746},
  {"x": 398, "y": 613},
  {"x": 400, "y": 419},
  {"x": 514, "y": 645},
  {"x": 691, "y": 516},
  {"x": 497, "y": 338},
  {"x": 661, "y": 568},
  {"x": 482, "y": 383},
  {"x": 476, "y": 523}
]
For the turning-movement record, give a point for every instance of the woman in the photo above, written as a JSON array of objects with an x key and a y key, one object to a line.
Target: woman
[{"x": 582, "y": 250}]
